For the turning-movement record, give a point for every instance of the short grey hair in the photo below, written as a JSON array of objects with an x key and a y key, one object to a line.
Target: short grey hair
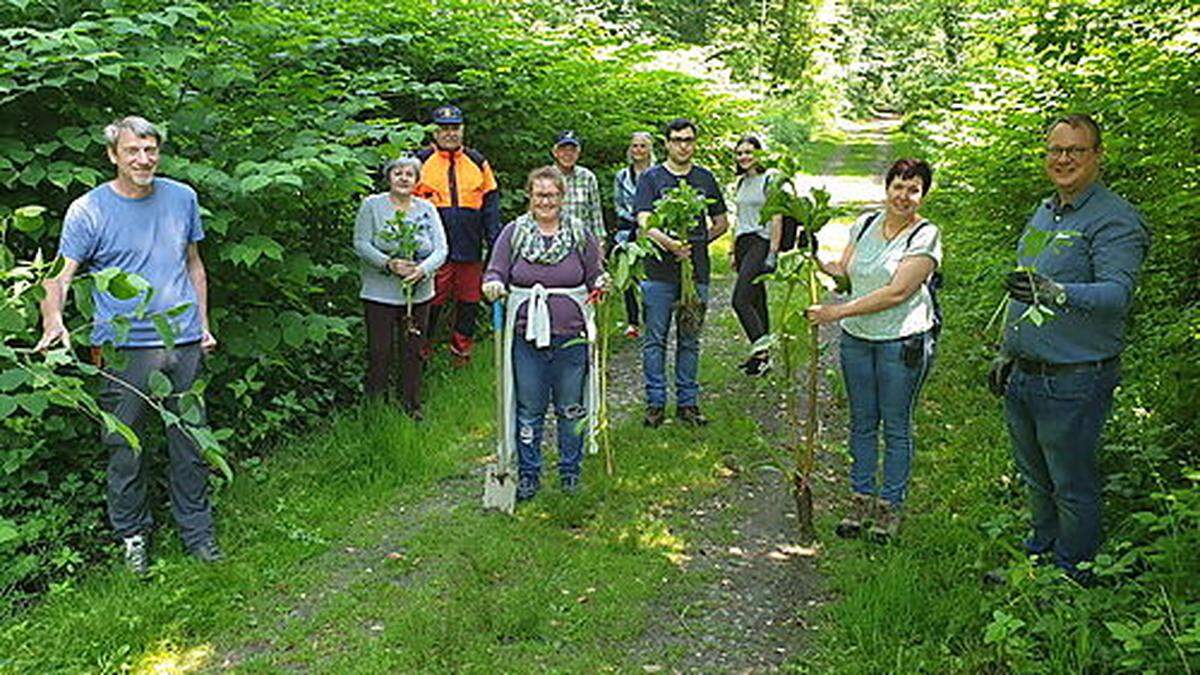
[
  {"x": 407, "y": 160},
  {"x": 138, "y": 126}
]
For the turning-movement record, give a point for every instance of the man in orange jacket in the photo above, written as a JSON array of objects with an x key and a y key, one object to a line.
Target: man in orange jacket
[{"x": 460, "y": 183}]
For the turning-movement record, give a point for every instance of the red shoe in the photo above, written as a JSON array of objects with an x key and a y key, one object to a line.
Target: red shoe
[
  {"x": 460, "y": 349},
  {"x": 632, "y": 332}
]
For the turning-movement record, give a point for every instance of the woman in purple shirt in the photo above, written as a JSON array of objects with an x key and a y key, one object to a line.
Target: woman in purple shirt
[{"x": 548, "y": 265}]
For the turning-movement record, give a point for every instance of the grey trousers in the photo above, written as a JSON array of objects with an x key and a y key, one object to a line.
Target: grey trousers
[{"x": 188, "y": 474}]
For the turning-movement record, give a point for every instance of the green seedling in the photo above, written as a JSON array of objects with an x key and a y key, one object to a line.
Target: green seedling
[
  {"x": 1033, "y": 244},
  {"x": 401, "y": 237}
]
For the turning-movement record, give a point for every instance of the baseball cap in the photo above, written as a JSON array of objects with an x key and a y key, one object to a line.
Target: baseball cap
[
  {"x": 567, "y": 137},
  {"x": 447, "y": 114}
]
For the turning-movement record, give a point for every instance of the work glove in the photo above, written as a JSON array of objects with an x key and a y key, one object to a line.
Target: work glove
[
  {"x": 1023, "y": 286},
  {"x": 769, "y": 263},
  {"x": 493, "y": 290},
  {"x": 998, "y": 374}
]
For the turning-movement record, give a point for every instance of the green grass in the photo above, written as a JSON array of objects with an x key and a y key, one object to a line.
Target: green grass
[{"x": 364, "y": 549}]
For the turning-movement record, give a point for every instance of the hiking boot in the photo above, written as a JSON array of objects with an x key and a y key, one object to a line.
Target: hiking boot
[
  {"x": 887, "y": 522},
  {"x": 858, "y": 517},
  {"x": 527, "y": 487},
  {"x": 207, "y": 552},
  {"x": 654, "y": 416},
  {"x": 137, "y": 557},
  {"x": 691, "y": 415},
  {"x": 633, "y": 332},
  {"x": 569, "y": 484},
  {"x": 460, "y": 349}
]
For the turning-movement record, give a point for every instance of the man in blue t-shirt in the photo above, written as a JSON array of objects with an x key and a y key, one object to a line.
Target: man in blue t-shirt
[
  {"x": 661, "y": 288},
  {"x": 148, "y": 226}
]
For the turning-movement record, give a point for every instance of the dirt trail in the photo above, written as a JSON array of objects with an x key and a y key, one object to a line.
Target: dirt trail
[{"x": 759, "y": 602}]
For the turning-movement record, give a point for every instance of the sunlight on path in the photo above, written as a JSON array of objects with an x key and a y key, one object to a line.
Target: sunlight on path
[{"x": 852, "y": 190}]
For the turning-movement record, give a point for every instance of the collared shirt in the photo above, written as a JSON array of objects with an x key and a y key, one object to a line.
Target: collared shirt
[
  {"x": 1098, "y": 268},
  {"x": 583, "y": 199}
]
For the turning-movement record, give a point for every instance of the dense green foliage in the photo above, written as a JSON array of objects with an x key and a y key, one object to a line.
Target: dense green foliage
[
  {"x": 978, "y": 83},
  {"x": 278, "y": 114}
]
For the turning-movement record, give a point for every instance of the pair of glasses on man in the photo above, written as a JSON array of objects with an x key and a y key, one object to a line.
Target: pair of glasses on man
[{"x": 1073, "y": 151}]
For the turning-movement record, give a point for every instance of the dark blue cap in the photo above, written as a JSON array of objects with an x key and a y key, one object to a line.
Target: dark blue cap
[
  {"x": 447, "y": 114},
  {"x": 567, "y": 137}
]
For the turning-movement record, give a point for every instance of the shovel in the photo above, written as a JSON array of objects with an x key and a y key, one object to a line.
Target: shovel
[{"x": 500, "y": 483}]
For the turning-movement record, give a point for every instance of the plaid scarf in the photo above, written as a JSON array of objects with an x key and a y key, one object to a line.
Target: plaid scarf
[{"x": 529, "y": 243}]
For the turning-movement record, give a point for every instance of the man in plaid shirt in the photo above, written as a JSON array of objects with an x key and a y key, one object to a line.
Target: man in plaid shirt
[{"x": 582, "y": 199}]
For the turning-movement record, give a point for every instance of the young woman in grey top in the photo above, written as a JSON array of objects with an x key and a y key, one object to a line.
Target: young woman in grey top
[
  {"x": 755, "y": 247},
  {"x": 396, "y": 289},
  {"x": 887, "y": 342}
]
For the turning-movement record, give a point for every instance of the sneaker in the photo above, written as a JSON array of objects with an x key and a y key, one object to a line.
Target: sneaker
[
  {"x": 633, "y": 332},
  {"x": 887, "y": 522},
  {"x": 207, "y": 552},
  {"x": 137, "y": 557},
  {"x": 758, "y": 366},
  {"x": 691, "y": 415},
  {"x": 527, "y": 487},
  {"x": 654, "y": 416},
  {"x": 569, "y": 484},
  {"x": 852, "y": 524}
]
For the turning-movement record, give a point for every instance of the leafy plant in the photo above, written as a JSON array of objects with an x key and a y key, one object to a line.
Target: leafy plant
[
  {"x": 797, "y": 274},
  {"x": 675, "y": 214},
  {"x": 1033, "y": 244},
  {"x": 624, "y": 271},
  {"x": 401, "y": 237}
]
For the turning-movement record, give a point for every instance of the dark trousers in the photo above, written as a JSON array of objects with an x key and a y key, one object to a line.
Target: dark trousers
[
  {"x": 387, "y": 327},
  {"x": 749, "y": 298},
  {"x": 1055, "y": 423},
  {"x": 188, "y": 475}
]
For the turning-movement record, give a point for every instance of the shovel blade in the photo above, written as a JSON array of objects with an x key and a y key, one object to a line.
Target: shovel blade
[{"x": 500, "y": 489}]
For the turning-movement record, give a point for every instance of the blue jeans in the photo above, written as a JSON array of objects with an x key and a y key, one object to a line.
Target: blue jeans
[
  {"x": 556, "y": 372},
  {"x": 658, "y": 299},
  {"x": 882, "y": 388},
  {"x": 1054, "y": 422}
]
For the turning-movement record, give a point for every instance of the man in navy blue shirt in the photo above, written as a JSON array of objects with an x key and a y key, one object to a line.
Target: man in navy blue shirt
[
  {"x": 1058, "y": 378},
  {"x": 148, "y": 226},
  {"x": 661, "y": 288}
]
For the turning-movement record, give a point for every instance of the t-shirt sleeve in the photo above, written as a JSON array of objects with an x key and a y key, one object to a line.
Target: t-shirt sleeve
[
  {"x": 195, "y": 223},
  {"x": 713, "y": 191},
  {"x": 926, "y": 241},
  {"x": 78, "y": 239},
  {"x": 643, "y": 198}
]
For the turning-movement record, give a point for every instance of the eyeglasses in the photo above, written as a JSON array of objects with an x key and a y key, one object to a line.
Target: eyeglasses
[
  {"x": 547, "y": 196},
  {"x": 685, "y": 140},
  {"x": 1074, "y": 151}
]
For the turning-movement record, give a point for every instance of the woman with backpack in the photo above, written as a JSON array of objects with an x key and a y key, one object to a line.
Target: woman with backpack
[
  {"x": 755, "y": 247},
  {"x": 548, "y": 266},
  {"x": 889, "y": 325}
]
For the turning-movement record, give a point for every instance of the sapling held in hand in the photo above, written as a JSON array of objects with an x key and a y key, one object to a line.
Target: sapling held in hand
[{"x": 676, "y": 215}]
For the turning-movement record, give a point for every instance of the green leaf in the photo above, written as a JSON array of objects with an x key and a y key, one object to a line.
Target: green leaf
[
  {"x": 163, "y": 327},
  {"x": 35, "y": 404},
  {"x": 113, "y": 425},
  {"x": 28, "y": 219},
  {"x": 160, "y": 385},
  {"x": 13, "y": 378},
  {"x": 127, "y": 286},
  {"x": 7, "y": 405},
  {"x": 8, "y": 529},
  {"x": 294, "y": 330}
]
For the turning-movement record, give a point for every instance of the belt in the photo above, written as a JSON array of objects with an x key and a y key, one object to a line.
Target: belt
[{"x": 1030, "y": 367}]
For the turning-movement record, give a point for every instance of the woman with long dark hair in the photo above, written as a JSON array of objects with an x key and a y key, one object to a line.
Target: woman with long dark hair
[{"x": 755, "y": 247}]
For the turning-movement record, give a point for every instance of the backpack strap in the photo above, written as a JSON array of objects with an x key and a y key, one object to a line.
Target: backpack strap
[{"x": 874, "y": 219}]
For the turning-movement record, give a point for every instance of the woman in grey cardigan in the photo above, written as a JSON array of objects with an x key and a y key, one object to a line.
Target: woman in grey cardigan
[{"x": 401, "y": 243}]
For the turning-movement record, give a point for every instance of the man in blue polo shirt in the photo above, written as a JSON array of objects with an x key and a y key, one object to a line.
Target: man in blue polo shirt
[
  {"x": 148, "y": 226},
  {"x": 661, "y": 288},
  {"x": 1058, "y": 378}
]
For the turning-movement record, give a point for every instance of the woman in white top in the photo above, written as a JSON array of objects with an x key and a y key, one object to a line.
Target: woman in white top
[
  {"x": 888, "y": 327},
  {"x": 755, "y": 247}
]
